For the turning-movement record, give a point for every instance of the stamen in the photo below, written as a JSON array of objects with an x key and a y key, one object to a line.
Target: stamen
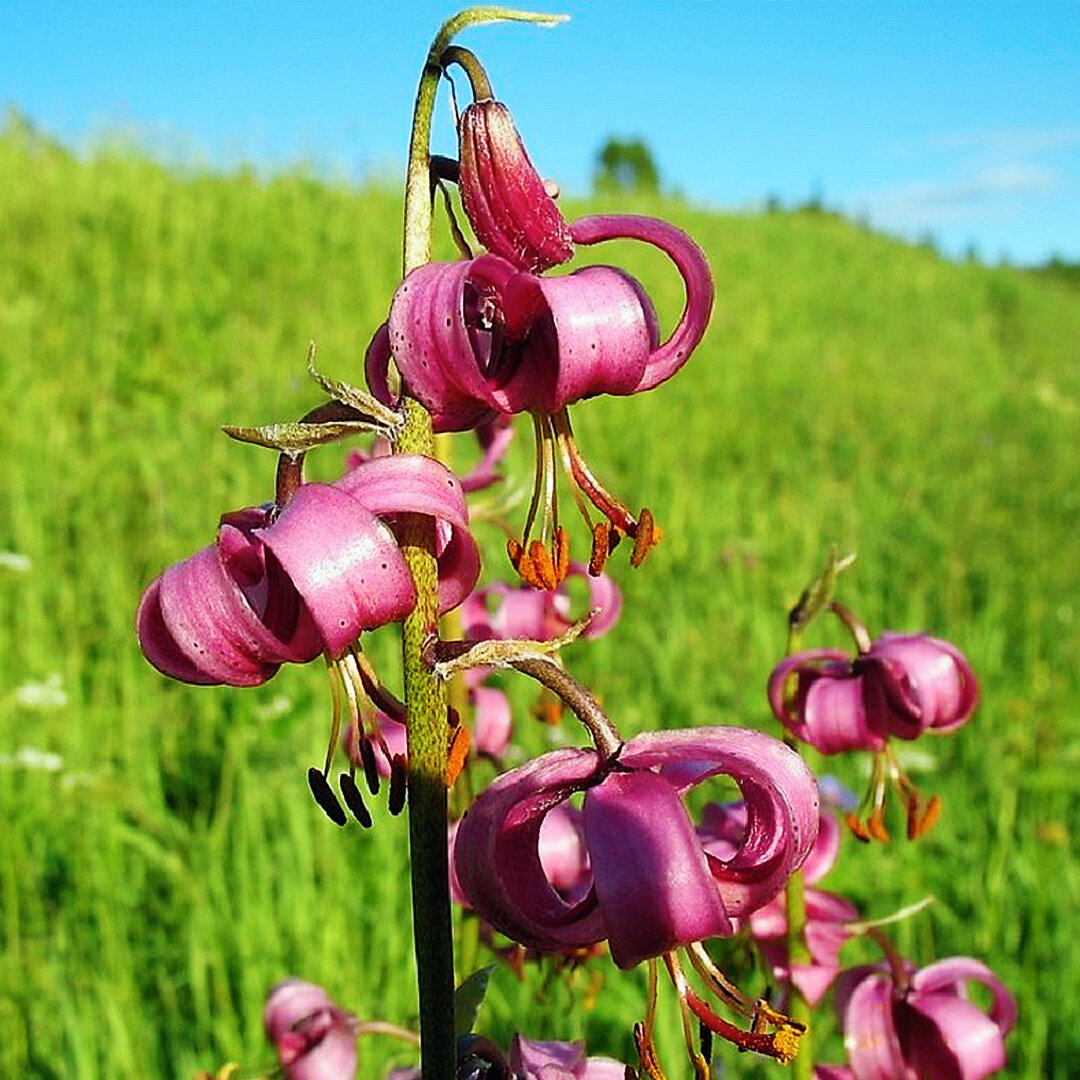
[
  {"x": 646, "y": 1049},
  {"x": 719, "y": 983},
  {"x": 545, "y": 568},
  {"x": 325, "y": 797},
  {"x": 399, "y": 782},
  {"x": 920, "y": 825},
  {"x": 783, "y": 1044},
  {"x": 601, "y": 548},
  {"x": 561, "y": 550},
  {"x": 593, "y": 490},
  {"x": 353, "y": 799}
]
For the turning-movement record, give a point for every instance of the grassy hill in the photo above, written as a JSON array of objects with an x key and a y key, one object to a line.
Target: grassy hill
[{"x": 166, "y": 865}]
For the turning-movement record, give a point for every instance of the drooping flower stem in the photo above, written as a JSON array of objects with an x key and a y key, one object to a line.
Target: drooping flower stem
[{"x": 425, "y": 696}]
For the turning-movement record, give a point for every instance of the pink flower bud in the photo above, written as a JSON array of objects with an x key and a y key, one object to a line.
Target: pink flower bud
[{"x": 504, "y": 197}]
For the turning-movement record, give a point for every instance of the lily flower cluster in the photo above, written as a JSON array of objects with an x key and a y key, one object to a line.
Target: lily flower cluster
[{"x": 577, "y": 850}]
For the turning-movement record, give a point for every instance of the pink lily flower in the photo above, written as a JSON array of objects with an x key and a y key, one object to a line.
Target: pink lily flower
[
  {"x": 922, "y": 1025},
  {"x": 482, "y": 337},
  {"x": 900, "y": 685},
  {"x": 314, "y": 1038},
  {"x": 283, "y": 585},
  {"x": 654, "y": 886}
]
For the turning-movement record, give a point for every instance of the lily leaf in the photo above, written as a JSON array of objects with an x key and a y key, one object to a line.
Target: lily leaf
[
  {"x": 298, "y": 437},
  {"x": 468, "y": 998}
]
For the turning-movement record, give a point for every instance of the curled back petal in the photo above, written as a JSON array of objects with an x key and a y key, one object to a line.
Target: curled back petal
[
  {"x": 434, "y": 349},
  {"x": 597, "y": 335},
  {"x": 342, "y": 561},
  {"x": 497, "y": 858},
  {"x": 870, "y": 1036},
  {"x": 950, "y": 976},
  {"x": 415, "y": 484},
  {"x": 196, "y": 624},
  {"x": 665, "y": 359},
  {"x": 780, "y": 795},
  {"x": 826, "y": 705}
]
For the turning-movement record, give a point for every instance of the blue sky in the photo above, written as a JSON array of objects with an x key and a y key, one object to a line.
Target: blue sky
[{"x": 959, "y": 120}]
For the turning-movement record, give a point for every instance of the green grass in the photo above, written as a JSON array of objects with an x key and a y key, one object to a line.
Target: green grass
[{"x": 851, "y": 390}]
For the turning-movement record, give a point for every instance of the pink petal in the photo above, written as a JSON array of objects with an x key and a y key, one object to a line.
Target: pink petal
[
  {"x": 602, "y": 330},
  {"x": 651, "y": 877},
  {"x": 869, "y": 1035},
  {"x": 665, "y": 360},
  {"x": 342, "y": 561},
  {"x": 779, "y": 791},
  {"x": 497, "y": 860},
  {"x": 927, "y": 683},
  {"x": 315, "y": 1039},
  {"x": 492, "y": 723}
]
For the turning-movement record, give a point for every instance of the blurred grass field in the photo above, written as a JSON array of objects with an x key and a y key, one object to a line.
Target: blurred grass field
[{"x": 166, "y": 866}]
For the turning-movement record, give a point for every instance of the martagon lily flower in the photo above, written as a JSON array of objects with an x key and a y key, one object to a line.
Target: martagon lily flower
[
  {"x": 653, "y": 886},
  {"x": 921, "y": 1025},
  {"x": 480, "y": 337},
  {"x": 897, "y": 686},
  {"x": 286, "y": 584}
]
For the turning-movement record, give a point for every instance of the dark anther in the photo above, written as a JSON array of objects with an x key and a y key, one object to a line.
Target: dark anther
[
  {"x": 325, "y": 797},
  {"x": 371, "y": 767},
  {"x": 705, "y": 1037},
  {"x": 353, "y": 800},
  {"x": 399, "y": 781}
]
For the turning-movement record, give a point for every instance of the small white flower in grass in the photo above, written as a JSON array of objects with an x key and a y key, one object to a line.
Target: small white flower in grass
[
  {"x": 29, "y": 757},
  {"x": 42, "y": 695},
  {"x": 12, "y": 560},
  {"x": 271, "y": 710}
]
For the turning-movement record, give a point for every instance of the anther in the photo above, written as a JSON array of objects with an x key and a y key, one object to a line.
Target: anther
[
  {"x": 371, "y": 765},
  {"x": 705, "y": 1039},
  {"x": 325, "y": 797},
  {"x": 545, "y": 568},
  {"x": 648, "y": 535},
  {"x": 876, "y": 826},
  {"x": 458, "y": 751},
  {"x": 561, "y": 549},
  {"x": 601, "y": 548},
  {"x": 399, "y": 779},
  {"x": 353, "y": 799},
  {"x": 858, "y": 829},
  {"x": 919, "y": 824},
  {"x": 647, "y": 1053}
]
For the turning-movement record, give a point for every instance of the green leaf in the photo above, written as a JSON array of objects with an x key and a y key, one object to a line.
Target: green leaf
[{"x": 468, "y": 998}]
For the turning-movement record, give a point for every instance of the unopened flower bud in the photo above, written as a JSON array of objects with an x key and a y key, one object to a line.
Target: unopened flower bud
[{"x": 507, "y": 203}]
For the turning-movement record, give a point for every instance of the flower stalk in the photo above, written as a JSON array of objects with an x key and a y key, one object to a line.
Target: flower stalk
[{"x": 425, "y": 694}]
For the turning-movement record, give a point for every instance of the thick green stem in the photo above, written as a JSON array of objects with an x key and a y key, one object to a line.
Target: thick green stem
[
  {"x": 425, "y": 696},
  {"x": 802, "y": 1068}
]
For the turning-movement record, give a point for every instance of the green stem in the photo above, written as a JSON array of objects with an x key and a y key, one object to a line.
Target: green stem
[
  {"x": 425, "y": 696},
  {"x": 802, "y": 1068}
]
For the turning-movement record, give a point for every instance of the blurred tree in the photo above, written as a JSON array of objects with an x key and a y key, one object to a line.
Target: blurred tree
[{"x": 627, "y": 166}]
